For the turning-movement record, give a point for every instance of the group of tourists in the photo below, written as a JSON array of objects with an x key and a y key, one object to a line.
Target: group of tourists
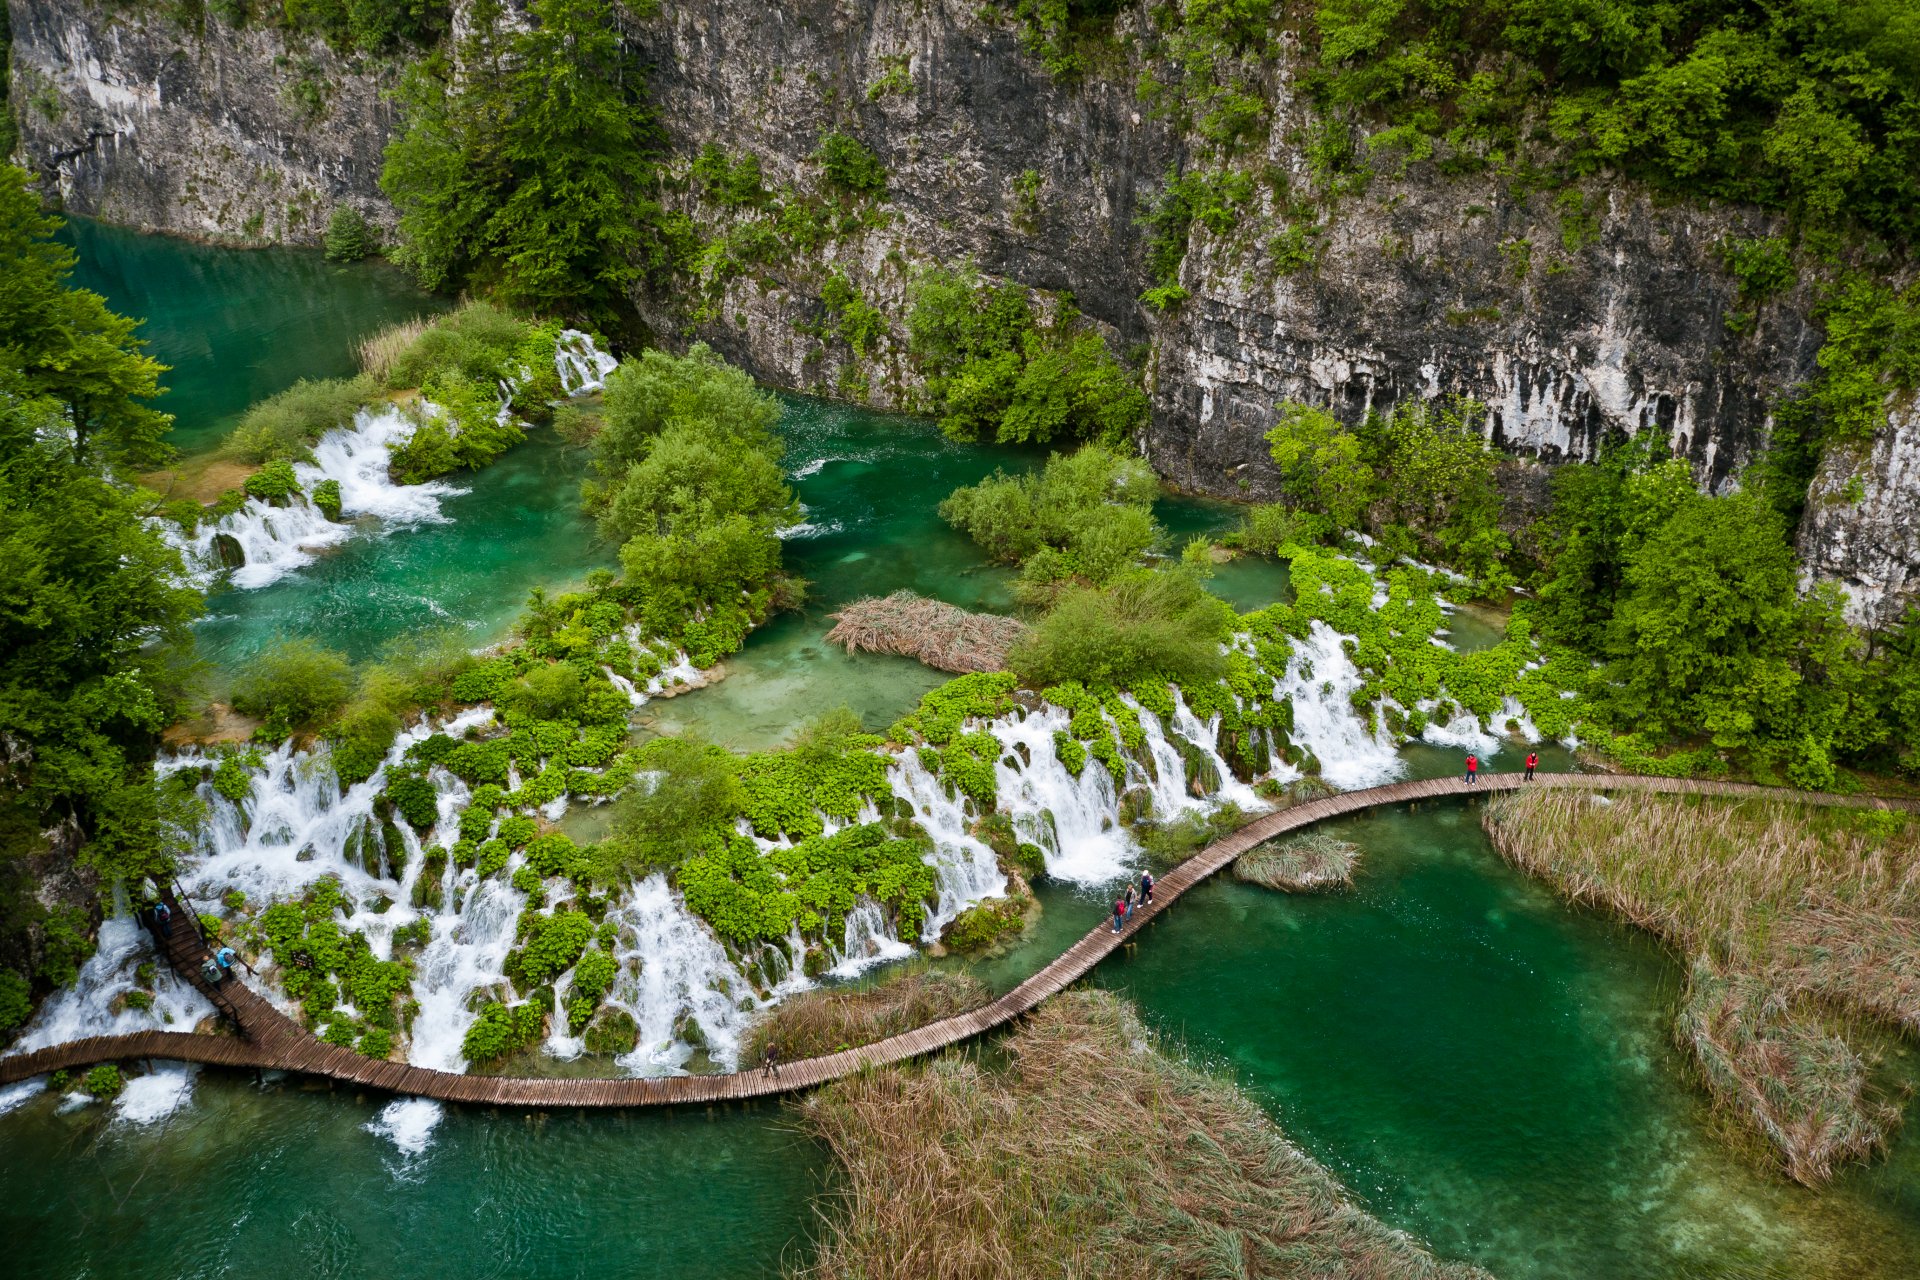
[
  {"x": 1473, "y": 767},
  {"x": 1125, "y": 905}
]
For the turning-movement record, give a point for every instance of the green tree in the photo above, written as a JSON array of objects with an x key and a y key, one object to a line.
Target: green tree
[
  {"x": 688, "y": 802},
  {"x": 65, "y": 345},
  {"x": 296, "y": 684},
  {"x": 1323, "y": 465},
  {"x": 527, "y": 161}
]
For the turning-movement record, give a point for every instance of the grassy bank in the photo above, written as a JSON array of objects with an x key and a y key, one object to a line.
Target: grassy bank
[
  {"x": 1801, "y": 929},
  {"x": 1304, "y": 864},
  {"x": 1093, "y": 1154},
  {"x": 825, "y": 1021}
]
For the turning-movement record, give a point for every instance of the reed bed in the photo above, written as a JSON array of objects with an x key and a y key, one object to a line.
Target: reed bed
[
  {"x": 1801, "y": 927},
  {"x": 383, "y": 350},
  {"x": 1093, "y": 1155},
  {"x": 1304, "y": 864},
  {"x": 826, "y": 1021},
  {"x": 943, "y": 636}
]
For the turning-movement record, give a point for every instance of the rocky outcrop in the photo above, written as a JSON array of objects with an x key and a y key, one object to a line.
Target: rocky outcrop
[
  {"x": 206, "y": 130},
  {"x": 1862, "y": 526},
  {"x": 1571, "y": 314},
  {"x": 1569, "y": 320}
]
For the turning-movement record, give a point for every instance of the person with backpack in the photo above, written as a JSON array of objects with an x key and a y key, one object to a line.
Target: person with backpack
[
  {"x": 1473, "y": 769},
  {"x": 163, "y": 916},
  {"x": 1119, "y": 914},
  {"x": 1146, "y": 887},
  {"x": 1533, "y": 762}
]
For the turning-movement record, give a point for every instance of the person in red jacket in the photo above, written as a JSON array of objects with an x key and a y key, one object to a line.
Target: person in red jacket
[
  {"x": 1473, "y": 768},
  {"x": 1533, "y": 762}
]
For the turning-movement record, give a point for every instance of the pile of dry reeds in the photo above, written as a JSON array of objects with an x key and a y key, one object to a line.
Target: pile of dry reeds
[
  {"x": 1094, "y": 1155},
  {"x": 1303, "y": 864},
  {"x": 379, "y": 353},
  {"x": 941, "y": 635},
  {"x": 1801, "y": 926},
  {"x": 823, "y": 1021}
]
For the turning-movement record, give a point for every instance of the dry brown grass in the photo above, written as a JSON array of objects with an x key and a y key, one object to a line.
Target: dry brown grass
[
  {"x": 827, "y": 1021},
  {"x": 1801, "y": 926},
  {"x": 943, "y": 636},
  {"x": 1093, "y": 1155},
  {"x": 1304, "y": 864},
  {"x": 379, "y": 353}
]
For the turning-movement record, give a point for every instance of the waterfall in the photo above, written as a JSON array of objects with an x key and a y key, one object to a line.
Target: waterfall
[
  {"x": 582, "y": 366},
  {"x": 674, "y": 970},
  {"x": 275, "y": 541},
  {"x": 868, "y": 941},
  {"x": 471, "y": 938},
  {"x": 1074, "y": 820},
  {"x": 86, "y": 1008},
  {"x": 965, "y": 870},
  {"x": 1321, "y": 680}
]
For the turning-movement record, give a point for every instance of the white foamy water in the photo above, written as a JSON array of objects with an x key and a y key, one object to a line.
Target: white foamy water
[
  {"x": 582, "y": 366},
  {"x": 672, "y": 967},
  {"x": 867, "y": 941},
  {"x": 408, "y": 1124},
  {"x": 20, "y": 1093},
  {"x": 1324, "y": 721},
  {"x": 965, "y": 870},
  {"x": 86, "y": 1008},
  {"x": 275, "y": 541},
  {"x": 151, "y": 1098}
]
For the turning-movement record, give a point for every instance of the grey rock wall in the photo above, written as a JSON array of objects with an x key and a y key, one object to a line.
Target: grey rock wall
[
  {"x": 1862, "y": 527},
  {"x": 1418, "y": 289},
  {"x": 212, "y": 132}
]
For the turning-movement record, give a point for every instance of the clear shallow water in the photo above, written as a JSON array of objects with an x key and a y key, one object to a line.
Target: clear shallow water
[
  {"x": 291, "y": 1182},
  {"x": 238, "y": 325},
  {"x": 1495, "y": 1072}
]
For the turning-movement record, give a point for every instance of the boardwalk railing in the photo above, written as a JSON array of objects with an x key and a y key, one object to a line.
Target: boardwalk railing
[{"x": 270, "y": 1039}]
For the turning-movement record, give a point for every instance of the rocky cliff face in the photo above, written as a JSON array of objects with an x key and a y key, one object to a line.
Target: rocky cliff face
[
  {"x": 1862, "y": 527},
  {"x": 1571, "y": 315},
  {"x": 205, "y": 131}
]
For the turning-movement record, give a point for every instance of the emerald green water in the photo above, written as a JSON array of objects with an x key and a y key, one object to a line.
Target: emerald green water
[
  {"x": 1483, "y": 1066},
  {"x": 290, "y": 1183},
  {"x": 1494, "y": 1072},
  {"x": 238, "y": 325}
]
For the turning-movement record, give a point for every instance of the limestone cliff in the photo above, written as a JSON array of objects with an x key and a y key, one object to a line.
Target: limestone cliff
[
  {"x": 199, "y": 130},
  {"x": 1572, "y": 315}
]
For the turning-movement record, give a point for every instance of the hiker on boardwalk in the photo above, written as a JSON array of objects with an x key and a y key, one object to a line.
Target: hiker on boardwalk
[
  {"x": 1473, "y": 768},
  {"x": 224, "y": 958},
  {"x": 163, "y": 916},
  {"x": 1119, "y": 914},
  {"x": 1533, "y": 762},
  {"x": 1128, "y": 897},
  {"x": 1146, "y": 887},
  {"x": 770, "y": 1061}
]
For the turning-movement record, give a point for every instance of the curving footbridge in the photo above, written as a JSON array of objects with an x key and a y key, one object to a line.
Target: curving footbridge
[{"x": 265, "y": 1038}]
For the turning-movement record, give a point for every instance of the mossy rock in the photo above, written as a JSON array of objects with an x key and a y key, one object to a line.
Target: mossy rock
[
  {"x": 1136, "y": 806},
  {"x": 687, "y": 1031},
  {"x": 1030, "y": 860},
  {"x": 1245, "y": 751},
  {"x": 611, "y": 1033},
  {"x": 816, "y": 961},
  {"x": 227, "y": 549}
]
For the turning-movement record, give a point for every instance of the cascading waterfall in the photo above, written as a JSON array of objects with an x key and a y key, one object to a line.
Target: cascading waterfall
[
  {"x": 273, "y": 541},
  {"x": 1321, "y": 680},
  {"x": 582, "y": 366},
  {"x": 869, "y": 940},
  {"x": 674, "y": 971},
  {"x": 88, "y": 1007},
  {"x": 965, "y": 869}
]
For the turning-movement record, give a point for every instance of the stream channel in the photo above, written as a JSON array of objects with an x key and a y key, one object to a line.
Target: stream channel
[{"x": 1481, "y": 1064}]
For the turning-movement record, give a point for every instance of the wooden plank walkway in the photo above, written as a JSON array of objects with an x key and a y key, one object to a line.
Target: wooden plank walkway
[{"x": 269, "y": 1039}]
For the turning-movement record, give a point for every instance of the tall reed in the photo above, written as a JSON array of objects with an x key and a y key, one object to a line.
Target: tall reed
[{"x": 1801, "y": 926}]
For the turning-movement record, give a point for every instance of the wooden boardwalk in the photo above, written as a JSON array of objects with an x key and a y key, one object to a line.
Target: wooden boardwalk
[{"x": 267, "y": 1038}]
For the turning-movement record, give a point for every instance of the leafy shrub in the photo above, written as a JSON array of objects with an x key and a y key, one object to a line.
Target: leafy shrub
[
  {"x": 233, "y": 777},
  {"x": 285, "y": 426},
  {"x": 1087, "y": 515},
  {"x": 1146, "y": 625},
  {"x": 104, "y": 1081},
  {"x": 994, "y": 372},
  {"x": 16, "y": 1000},
  {"x": 293, "y": 684},
  {"x": 849, "y": 165},
  {"x": 500, "y": 1030},
  {"x": 983, "y": 925},
  {"x": 692, "y": 797},
  {"x": 275, "y": 481}
]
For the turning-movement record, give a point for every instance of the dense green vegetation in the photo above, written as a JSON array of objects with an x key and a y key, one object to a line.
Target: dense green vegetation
[
  {"x": 688, "y": 481},
  {"x": 88, "y": 590},
  {"x": 996, "y": 370},
  {"x": 528, "y": 173},
  {"x": 350, "y": 26}
]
